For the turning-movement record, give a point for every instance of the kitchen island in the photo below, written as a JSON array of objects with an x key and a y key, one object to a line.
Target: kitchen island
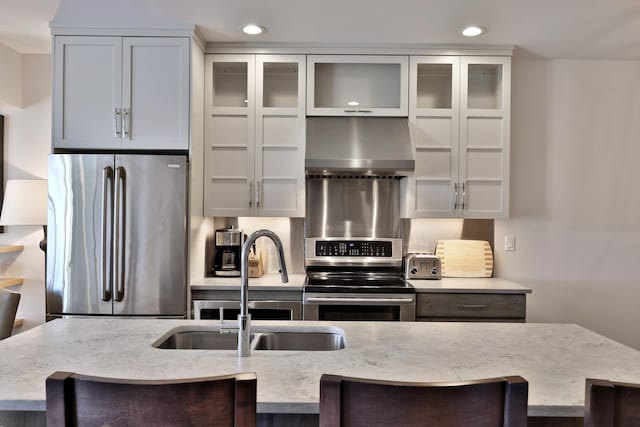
[{"x": 554, "y": 358}]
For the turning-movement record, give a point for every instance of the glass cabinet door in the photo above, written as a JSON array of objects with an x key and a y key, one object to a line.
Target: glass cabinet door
[
  {"x": 279, "y": 84},
  {"x": 434, "y": 123},
  {"x": 230, "y": 84},
  {"x": 280, "y": 135},
  {"x": 484, "y": 136},
  {"x": 358, "y": 85},
  {"x": 229, "y": 134}
]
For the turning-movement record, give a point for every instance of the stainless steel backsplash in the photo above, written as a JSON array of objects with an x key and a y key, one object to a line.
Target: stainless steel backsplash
[{"x": 352, "y": 207}]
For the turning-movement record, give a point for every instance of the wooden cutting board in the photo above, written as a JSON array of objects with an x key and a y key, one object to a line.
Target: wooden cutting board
[{"x": 465, "y": 258}]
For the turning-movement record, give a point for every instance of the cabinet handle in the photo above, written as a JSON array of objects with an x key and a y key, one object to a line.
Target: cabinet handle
[
  {"x": 257, "y": 194},
  {"x": 117, "y": 129},
  {"x": 364, "y": 111},
  {"x": 464, "y": 194},
  {"x": 350, "y": 111},
  {"x": 126, "y": 123},
  {"x": 473, "y": 306},
  {"x": 455, "y": 196},
  {"x": 250, "y": 194}
]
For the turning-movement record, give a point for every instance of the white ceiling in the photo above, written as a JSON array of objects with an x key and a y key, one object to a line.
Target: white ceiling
[{"x": 542, "y": 28}]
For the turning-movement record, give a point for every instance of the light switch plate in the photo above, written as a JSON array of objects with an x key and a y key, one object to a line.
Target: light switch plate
[{"x": 510, "y": 243}]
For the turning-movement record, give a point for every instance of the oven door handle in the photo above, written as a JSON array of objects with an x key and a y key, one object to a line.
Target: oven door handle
[{"x": 360, "y": 300}]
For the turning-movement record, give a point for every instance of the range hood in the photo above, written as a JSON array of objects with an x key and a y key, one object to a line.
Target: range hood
[{"x": 372, "y": 146}]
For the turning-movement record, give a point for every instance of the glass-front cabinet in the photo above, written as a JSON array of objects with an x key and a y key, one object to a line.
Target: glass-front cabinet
[
  {"x": 254, "y": 135},
  {"x": 357, "y": 85},
  {"x": 459, "y": 119},
  {"x": 485, "y": 136}
]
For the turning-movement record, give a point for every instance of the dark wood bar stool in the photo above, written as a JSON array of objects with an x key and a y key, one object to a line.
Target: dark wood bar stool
[
  {"x": 78, "y": 400},
  {"x": 351, "y": 402},
  {"x": 609, "y": 404}
]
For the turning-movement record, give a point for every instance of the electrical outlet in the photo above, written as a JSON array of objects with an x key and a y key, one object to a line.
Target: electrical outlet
[{"x": 510, "y": 243}]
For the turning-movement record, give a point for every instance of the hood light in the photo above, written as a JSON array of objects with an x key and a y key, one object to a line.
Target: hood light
[
  {"x": 353, "y": 103},
  {"x": 473, "y": 31},
  {"x": 253, "y": 29}
]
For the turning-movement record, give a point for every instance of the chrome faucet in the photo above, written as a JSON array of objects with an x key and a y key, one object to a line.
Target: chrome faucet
[{"x": 244, "y": 318}]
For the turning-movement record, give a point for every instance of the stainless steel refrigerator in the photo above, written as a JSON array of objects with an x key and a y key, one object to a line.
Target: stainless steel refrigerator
[{"x": 117, "y": 235}]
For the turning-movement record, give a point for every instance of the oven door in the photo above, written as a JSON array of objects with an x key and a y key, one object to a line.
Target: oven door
[
  {"x": 358, "y": 306},
  {"x": 259, "y": 310}
]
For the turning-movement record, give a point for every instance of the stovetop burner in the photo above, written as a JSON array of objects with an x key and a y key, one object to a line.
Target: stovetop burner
[
  {"x": 356, "y": 282},
  {"x": 355, "y": 265}
]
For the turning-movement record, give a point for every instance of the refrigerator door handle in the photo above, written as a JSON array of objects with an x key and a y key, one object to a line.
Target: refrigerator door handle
[
  {"x": 118, "y": 251},
  {"x": 107, "y": 175}
]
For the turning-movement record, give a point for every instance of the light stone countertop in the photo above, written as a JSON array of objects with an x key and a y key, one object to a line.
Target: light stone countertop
[
  {"x": 268, "y": 282},
  {"x": 554, "y": 358},
  {"x": 469, "y": 285},
  {"x": 272, "y": 282}
]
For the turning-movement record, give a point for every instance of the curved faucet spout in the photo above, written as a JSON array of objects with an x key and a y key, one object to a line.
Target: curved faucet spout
[{"x": 244, "y": 318}]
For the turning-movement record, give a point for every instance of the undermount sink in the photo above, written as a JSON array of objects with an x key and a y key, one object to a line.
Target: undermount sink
[
  {"x": 199, "y": 340},
  {"x": 298, "y": 341},
  {"x": 284, "y": 338}
]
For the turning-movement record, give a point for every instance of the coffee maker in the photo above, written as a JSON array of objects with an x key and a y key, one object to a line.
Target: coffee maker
[{"x": 228, "y": 248}]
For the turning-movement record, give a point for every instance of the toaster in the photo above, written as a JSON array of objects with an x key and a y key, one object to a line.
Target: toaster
[{"x": 421, "y": 266}]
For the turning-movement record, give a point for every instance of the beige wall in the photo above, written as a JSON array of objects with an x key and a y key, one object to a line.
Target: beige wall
[
  {"x": 10, "y": 77},
  {"x": 27, "y": 144},
  {"x": 575, "y": 203}
]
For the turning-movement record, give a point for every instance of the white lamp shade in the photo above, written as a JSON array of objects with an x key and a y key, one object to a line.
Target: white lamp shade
[{"x": 25, "y": 202}]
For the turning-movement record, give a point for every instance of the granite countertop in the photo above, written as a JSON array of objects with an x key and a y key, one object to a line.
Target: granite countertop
[
  {"x": 554, "y": 358},
  {"x": 469, "y": 285}
]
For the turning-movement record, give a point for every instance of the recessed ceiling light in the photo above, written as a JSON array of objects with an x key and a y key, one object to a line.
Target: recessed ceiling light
[
  {"x": 473, "y": 31},
  {"x": 253, "y": 29}
]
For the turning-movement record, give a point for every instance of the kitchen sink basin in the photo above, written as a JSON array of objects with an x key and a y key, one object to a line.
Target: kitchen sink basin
[
  {"x": 199, "y": 340},
  {"x": 284, "y": 338},
  {"x": 298, "y": 341}
]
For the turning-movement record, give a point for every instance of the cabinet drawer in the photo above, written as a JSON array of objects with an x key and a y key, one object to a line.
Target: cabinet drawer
[{"x": 471, "y": 306}]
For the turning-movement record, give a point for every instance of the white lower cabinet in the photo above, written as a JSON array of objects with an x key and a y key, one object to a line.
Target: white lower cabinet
[
  {"x": 459, "y": 112},
  {"x": 254, "y": 135}
]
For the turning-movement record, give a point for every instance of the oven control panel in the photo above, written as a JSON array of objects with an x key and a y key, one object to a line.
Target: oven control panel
[
  {"x": 352, "y": 252},
  {"x": 349, "y": 248}
]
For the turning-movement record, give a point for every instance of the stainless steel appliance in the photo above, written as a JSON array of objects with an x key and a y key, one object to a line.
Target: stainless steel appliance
[
  {"x": 363, "y": 146},
  {"x": 421, "y": 266},
  {"x": 117, "y": 235},
  {"x": 356, "y": 279},
  {"x": 353, "y": 253},
  {"x": 259, "y": 310},
  {"x": 226, "y": 261}
]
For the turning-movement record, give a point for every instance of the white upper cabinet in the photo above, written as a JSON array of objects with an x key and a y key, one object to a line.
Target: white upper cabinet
[
  {"x": 254, "y": 135},
  {"x": 229, "y": 135},
  {"x": 357, "y": 85},
  {"x": 122, "y": 93},
  {"x": 485, "y": 112},
  {"x": 459, "y": 118}
]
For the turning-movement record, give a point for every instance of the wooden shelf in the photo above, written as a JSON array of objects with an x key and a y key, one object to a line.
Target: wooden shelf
[
  {"x": 17, "y": 322},
  {"x": 7, "y": 283},
  {"x": 8, "y": 249}
]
